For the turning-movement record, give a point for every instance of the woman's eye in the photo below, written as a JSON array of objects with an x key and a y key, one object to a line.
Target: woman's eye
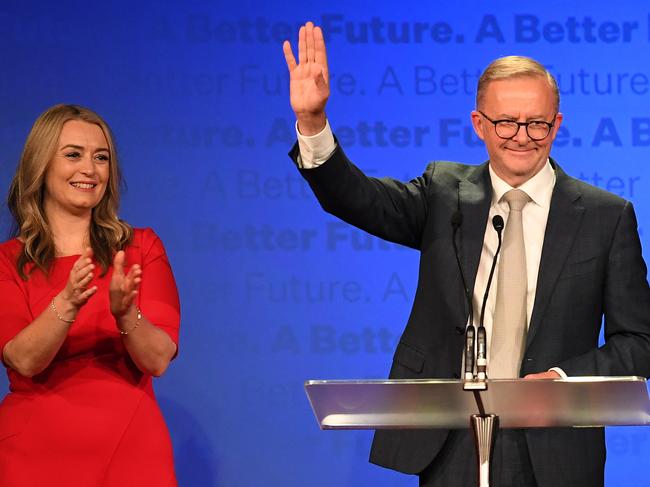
[
  {"x": 102, "y": 157},
  {"x": 73, "y": 155}
]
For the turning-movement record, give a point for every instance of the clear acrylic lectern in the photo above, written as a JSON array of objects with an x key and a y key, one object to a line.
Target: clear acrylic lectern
[{"x": 510, "y": 403}]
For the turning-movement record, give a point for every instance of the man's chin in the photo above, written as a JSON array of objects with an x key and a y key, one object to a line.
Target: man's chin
[
  {"x": 518, "y": 170},
  {"x": 524, "y": 161}
]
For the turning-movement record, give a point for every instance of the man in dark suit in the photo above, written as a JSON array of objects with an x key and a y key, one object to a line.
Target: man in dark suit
[{"x": 580, "y": 260}]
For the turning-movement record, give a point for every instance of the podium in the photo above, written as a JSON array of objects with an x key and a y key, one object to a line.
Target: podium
[{"x": 506, "y": 403}]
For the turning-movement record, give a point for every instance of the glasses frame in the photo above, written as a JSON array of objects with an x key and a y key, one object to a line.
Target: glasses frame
[{"x": 550, "y": 126}]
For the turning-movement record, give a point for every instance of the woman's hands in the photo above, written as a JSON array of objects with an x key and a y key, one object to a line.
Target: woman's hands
[
  {"x": 123, "y": 287},
  {"x": 76, "y": 292},
  {"x": 309, "y": 80},
  {"x": 122, "y": 290},
  {"x": 32, "y": 350},
  {"x": 35, "y": 346},
  {"x": 150, "y": 348}
]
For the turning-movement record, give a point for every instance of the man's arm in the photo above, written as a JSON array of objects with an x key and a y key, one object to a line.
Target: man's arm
[
  {"x": 626, "y": 305},
  {"x": 308, "y": 79},
  {"x": 309, "y": 91},
  {"x": 386, "y": 208}
]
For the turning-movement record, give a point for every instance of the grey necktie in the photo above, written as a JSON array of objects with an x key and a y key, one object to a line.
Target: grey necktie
[{"x": 510, "y": 315}]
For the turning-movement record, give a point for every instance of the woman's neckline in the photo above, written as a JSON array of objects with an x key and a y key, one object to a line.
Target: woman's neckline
[{"x": 20, "y": 242}]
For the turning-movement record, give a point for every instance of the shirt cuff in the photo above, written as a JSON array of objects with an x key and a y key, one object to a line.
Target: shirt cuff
[
  {"x": 315, "y": 149},
  {"x": 559, "y": 371}
]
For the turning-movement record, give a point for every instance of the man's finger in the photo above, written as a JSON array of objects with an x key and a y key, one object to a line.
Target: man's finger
[
  {"x": 302, "y": 46},
  {"x": 551, "y": 374},
  {"x": 288, "y": 56},
  {"x": 320, "y": 54},
  {"x": 309, "y": 36}
]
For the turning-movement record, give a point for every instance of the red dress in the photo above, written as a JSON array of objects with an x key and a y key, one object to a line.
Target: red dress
[{"x": 90, "y": 418}]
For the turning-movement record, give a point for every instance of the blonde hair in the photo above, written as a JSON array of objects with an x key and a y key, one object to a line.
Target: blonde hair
[
  {"x": 107, "y": 232},
  {"x": 515, "y": 67}
]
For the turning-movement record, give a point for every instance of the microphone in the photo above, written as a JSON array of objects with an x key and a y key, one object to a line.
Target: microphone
[
  {"x": 481, "y": 355},
  {"x": 497, "y": 223},
  {"x": 469, "y": 353},
  {"x": 456, "y": 222}
]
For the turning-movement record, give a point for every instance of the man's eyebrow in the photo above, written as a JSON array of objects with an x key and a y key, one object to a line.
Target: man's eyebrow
[
  {"x": 505, "y": 116},
  {"x": 536, "y": 117}
]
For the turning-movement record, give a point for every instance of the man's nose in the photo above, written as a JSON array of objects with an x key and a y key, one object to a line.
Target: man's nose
[{"x": 522, "y": 135}]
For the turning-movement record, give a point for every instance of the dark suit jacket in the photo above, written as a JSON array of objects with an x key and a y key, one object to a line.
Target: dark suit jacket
[{"x": 591, "y": 266}]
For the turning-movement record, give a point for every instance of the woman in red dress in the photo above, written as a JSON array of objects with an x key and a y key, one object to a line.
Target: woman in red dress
[{"x": 89, "y": 312}]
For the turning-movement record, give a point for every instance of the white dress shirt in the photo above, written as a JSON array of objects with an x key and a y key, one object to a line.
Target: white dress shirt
[
  {"x": 534, "y": 217},
  {"x": 316, "y": 149}
]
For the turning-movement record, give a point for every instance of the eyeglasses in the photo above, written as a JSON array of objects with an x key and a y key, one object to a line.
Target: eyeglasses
[{"x": 507, "y": 129}]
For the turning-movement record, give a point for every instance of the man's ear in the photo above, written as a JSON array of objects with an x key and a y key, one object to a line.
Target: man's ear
[
  {"x": 479, "y": 124},
  {"x": 556, "y": 125}
]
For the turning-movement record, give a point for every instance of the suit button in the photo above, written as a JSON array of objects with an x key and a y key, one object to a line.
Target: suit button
[
  {"x": 460, "y": 330},
  {"x": 456, "y": 376}
]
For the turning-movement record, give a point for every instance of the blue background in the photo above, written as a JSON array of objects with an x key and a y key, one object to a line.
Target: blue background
[{"x": 273, "y": 290}]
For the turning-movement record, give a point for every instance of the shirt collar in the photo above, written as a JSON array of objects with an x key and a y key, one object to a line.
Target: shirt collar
[{"x": 539, "y": 187}]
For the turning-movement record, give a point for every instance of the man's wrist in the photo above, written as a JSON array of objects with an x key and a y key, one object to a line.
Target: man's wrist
[
  {"x": 311, "y": 124},
  {"x": 315, "y": 149}
]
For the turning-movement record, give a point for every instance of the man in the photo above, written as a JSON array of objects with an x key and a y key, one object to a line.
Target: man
[{"x": 571, "y": 255}]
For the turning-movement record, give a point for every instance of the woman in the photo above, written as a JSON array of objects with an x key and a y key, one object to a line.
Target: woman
[{"x": 89, "y": 312}]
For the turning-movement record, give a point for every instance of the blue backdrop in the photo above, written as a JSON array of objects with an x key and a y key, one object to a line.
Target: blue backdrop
[{"x": 273, "y": 290}]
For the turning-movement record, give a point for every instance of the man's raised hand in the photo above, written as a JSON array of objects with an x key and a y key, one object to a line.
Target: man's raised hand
[{"x": 309, "y": 79}]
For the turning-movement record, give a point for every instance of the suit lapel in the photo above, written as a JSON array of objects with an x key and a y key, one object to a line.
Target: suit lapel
[
  {"x": 564, "y": 217},
  {"x": 475, "y": 196}
]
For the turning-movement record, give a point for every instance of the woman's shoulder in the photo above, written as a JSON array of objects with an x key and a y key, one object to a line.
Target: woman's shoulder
[
  {"x": 143, "y": 237},
  {"x": 11, "y": 248},
  {"x": 9, "y": 251},
  {"x": 145, "y": 241}
]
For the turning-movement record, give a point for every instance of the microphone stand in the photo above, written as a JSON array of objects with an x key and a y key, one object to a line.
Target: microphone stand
[
  {"x": 470, "y": 330},
  {"x": 484, "y": 425},
  {"x": 478, "y": 381}
]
